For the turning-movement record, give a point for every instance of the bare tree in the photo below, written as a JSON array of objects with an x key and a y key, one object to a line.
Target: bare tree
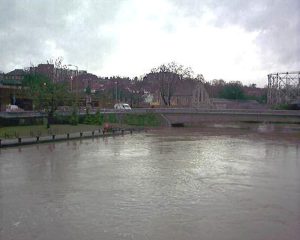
[
  {"x": 60, "y": 70},
  {"x": 167, "y": 76}
]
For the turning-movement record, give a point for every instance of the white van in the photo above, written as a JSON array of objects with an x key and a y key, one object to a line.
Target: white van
[
  {"x": 13, "y": 108},
  {"x": 122, "y": 106}
]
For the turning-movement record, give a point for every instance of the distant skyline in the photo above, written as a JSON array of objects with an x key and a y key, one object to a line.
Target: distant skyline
[{"x": 228, "y": 39}]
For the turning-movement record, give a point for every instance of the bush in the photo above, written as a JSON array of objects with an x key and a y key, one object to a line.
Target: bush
[
  {"x": 282, "y": 107},
  {"x": 74, "y": 119},
  {"x": 96, "y": 119},
  {"x": 112, "y": 118},
  {"x": 88, "y": 119},
  {"x": 99, "y": 118},
  {"x": 59, "y": 119}
]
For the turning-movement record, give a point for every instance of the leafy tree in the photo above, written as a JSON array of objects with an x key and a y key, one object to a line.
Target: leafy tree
[
  {"x": 218, "y": 82},
  {"x": 45, "y": 94},
  {"x": 252, "y": 85},
  {"x": 233, "y": 90},
  {"x": 88, "y": 90}
]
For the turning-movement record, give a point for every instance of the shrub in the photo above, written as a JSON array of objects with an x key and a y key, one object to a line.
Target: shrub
[
  {"x": 112, "y": 118},
  {"x": 96, "y": 119},
  {"x": 74, "y": 119},
  {"x": 282, "y": 107}
]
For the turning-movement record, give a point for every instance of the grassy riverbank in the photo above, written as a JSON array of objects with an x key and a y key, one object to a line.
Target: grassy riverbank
[
  {"x": 143, "y": 120},
  {"x": 41, "y": 130},
  {"x": 74, "y": 124}
]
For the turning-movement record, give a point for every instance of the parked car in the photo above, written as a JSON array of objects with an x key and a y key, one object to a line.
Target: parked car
[
  {"x": 122, "y": 106},
  {"x": 13, "y": 108}
]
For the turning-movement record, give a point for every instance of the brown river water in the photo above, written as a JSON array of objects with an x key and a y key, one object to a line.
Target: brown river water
[{"x": 222, "y": 182}]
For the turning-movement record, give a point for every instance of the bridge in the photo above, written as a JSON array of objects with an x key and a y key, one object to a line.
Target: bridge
[{"x": 188, "y": 116}]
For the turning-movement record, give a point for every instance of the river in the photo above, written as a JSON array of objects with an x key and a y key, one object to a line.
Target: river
[{"x": 221, "y": 182}]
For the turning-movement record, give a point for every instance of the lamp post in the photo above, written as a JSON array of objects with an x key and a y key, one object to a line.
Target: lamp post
[
  {"x": 71, "y": 83},
  {"x": 116, "y": 88},
  {"x": 76, "y": 74}
]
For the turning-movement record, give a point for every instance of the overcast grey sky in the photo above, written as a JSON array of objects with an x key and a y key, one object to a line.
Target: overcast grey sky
[{"x": 229, "y": 39}]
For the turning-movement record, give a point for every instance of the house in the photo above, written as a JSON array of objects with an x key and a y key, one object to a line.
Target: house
[
  {"x": 190, "y": 93},
  {"x": 11, "y": 90},
  {"x": 84, "y": 80},
  {"x": 185, "y": 93},
  {"x": 15, "y": 75}
]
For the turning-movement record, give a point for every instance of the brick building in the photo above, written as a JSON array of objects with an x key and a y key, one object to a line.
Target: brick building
[{"x": 11, "y": 90}]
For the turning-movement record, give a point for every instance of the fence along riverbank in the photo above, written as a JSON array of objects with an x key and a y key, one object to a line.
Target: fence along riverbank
[{"x": 15, "y": 142}]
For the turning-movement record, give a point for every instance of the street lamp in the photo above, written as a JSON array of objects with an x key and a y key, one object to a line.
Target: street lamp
[
  {"x": 76, "y": 82},
  {"x": 116, "y": 91},
  {"x": 76, "y": 74}
]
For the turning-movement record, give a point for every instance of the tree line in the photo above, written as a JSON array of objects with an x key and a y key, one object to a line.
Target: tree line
[
  {"x": 47, "y": 95},
  {"x": 235, "y": 90}
]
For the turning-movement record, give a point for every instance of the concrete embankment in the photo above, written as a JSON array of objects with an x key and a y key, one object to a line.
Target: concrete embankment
[
  {"x": 14, "y": 142},
  {"x": 197, "y": 118}
]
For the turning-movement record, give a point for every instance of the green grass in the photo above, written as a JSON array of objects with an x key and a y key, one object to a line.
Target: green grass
[
  {"x": 145, "y": 120},
  {"x": 281, "y": 107},
  {"x": 89, "y": 123},
  {"x": 41, "y": 130}
]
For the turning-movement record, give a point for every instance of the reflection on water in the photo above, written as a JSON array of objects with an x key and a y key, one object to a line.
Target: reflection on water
[{"x": 221, "y": 182}]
